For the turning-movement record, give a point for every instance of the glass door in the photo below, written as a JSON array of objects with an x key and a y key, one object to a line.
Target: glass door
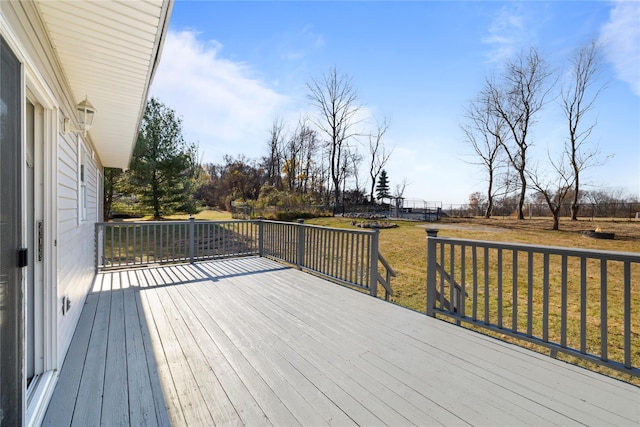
[{"x": 11, "y": 315}]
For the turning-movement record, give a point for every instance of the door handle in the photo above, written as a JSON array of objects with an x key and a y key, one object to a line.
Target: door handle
[{"x": 23, "y": 259}]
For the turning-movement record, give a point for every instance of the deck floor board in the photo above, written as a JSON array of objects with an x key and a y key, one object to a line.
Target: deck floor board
[{"x": 248, "y": 341}]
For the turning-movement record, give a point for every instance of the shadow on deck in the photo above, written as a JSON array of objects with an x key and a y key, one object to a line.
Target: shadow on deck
[{"x": 248, "y": 341}]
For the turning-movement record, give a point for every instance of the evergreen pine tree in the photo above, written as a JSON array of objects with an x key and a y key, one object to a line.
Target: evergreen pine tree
[{"x": 382, "y": 189}]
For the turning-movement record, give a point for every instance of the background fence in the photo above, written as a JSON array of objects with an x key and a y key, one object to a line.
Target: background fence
[{"x": 587, "y": 210}]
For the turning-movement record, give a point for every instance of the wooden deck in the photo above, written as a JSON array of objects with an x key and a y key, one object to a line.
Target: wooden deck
[{"x": 249, "y": 341}]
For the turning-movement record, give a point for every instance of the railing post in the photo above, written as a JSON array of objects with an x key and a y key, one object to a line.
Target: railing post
[
  {"x": 373, "y": 275},
  {"x": 300, "y": 244},
  {"x": 191, "y": 238},
  {"x": 432, "y": 233},
  {"x": 260, "y": 236}
]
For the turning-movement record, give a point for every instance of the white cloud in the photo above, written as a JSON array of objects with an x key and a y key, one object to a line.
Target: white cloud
[
  {"x": 224, "y": 107},
  {"x": 621, "y": 39},
  {"x": 506, "y": 34}
]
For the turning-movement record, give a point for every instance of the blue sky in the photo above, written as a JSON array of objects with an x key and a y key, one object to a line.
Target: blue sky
[{"x": 231, "y": 68}]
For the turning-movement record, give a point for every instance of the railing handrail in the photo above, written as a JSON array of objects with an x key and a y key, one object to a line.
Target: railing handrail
[
  {"x": 386, "y": 280},
  {"x": 386, "y": 265},
  {"x": 321, "y": 227},
  {"x": 551, "y": 250}
]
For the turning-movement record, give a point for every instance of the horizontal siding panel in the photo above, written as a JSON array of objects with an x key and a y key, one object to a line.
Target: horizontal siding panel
[{"x": 67, "y": 193}]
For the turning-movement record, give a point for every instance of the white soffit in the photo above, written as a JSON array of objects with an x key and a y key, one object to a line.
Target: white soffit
[{"x": 108, "y": 51}]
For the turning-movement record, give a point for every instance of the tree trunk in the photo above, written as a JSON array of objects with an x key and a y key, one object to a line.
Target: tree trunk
[
  {"x": 574, "y": 203},
  {"x": 487, "y": 213},
  {"x": 523, "y": 193},
  {"x": 556, "y": 219}
]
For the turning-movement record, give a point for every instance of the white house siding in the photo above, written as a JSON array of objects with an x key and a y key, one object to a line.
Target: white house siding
[
  {"x": 76, "y": 259},
  {"x": 73, "y": 251}
]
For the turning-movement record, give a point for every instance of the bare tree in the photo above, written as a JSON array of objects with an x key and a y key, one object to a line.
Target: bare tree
[
  {"x": 336, "y": 102},
  {"x": 309, "y": 139},
  {"x": 379, "y": 155},
  {"x": 577, "y": 98},
  {"x": 273, "y": 160},
  {"x": 355, "y": 159},
  {"x": 517, "y": 101},
  {"x": 487, "y": 133},
  {"x": 398, "y": 193},
  {"x": 553, "y": 185}
]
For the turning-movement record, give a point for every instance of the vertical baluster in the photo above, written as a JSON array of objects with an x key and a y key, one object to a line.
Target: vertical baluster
[
  {"x": 292, "y": 247},
  {"x": 474, "y": 263},
  {"x": 155, "y": 243},
  {"x": 126, "y": 248},
  {"x": 453, "y": 301},
  {"x": 316, "y": 248},
  {"x": 366, "y": 242},
  {"x": 120, "y": 244},
  {"x": 217, "y": 240},
  {"x": 134, "y": 250},
  {"x": 359, "y": 258},
  {"x": 329, "y": 252},
  {"x": 545, "y": 297},
  {"x": 310, "y": 247},
  {"x": 325, "y": 256},
  {"x": 463, "y": 280},
  {"x": 530, "y": 294},
  {"x": 583, "y": 305},
  {"x": 163, "y": 238},
  {"x": 343, "y": 256},
  {"x": 486, "y": 286},
  {"x": 514, "y": 302},
  {"x": 563, "y": 303},
  {"x": 351, "y": 265},
  {"x": 282, "y": 252},
  {"x": 139, "y": 244},
  {"x": 113, "y": 240},
  {"x": 603, "y": 311},
  {"x": 500, "y": 288},
  {"x": 335, "y": 252},
  {"x": 627, "y": 314},
  {"x": 233, "y": 242},
  {"x": 442, "y": 272},
  {"x": 336, "y": 256},
  {"x": 233, "y": 238}
]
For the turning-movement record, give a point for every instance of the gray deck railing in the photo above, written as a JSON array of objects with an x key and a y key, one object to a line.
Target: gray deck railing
[
  {"x": 346, "y": 256},
  {"x": 574, "y": 301}
]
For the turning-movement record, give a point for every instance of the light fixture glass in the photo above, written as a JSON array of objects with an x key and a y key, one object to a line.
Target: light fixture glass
[{"x": 85, "y": 114}]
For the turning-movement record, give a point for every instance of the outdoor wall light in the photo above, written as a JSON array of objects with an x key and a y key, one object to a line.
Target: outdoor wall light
[{"x": 85, "y": 112}]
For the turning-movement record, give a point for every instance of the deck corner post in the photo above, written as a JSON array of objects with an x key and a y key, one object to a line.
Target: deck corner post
[
  {"x": 373, "y": 262},
  {"x": 191, "y": 238},
  {"x": 260, "y": 236},
  {"x": 432, "y": 234},
  {"x": 300, "y": 244}
]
